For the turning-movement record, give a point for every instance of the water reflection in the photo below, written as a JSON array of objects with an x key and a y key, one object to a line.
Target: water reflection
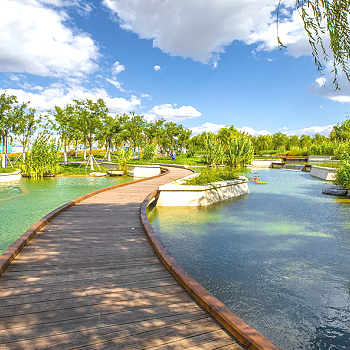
[{"x": 278, "y": 257}]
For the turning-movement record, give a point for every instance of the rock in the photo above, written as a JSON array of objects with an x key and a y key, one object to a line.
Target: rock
[{"x": 335, "y": 191}]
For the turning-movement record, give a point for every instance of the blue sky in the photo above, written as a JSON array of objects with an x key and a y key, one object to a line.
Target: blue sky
[{"x": 203, "y": 63}]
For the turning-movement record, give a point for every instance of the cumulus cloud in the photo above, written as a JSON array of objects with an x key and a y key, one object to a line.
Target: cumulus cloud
[
  {"x": 201, "y": 29},
  {"x": 58, "y": 95},
  {"x": 117, "y": 68},
  {"x": 312, "y": 130},
  {"x": 157, "y": 68},
  {"x": 35, "y": 39},
  {"x": 251, "y": 131},
  {"x": 207, "y": 127},
  {"x": 169, "y": 113}
]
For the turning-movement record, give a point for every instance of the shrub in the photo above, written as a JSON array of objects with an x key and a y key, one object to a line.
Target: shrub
[
  {"x": 150, "y": 151},
  {"x": 208, "y": 176},
  {"x": 343, "y": 173}
]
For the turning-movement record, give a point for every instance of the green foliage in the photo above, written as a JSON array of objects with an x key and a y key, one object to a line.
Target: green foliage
[
  {"x": 213, "y": 150},
  {"x": 149, "y": 151},
  {"x": 76, "y": 169},
  {"x": 209, "y": 176},
  {"x": 181, "y": 159},
  {"x": 8, "y": 169},
  {"x": 42, "y": 158},
  {"x": 341, "y": 132},
  {"x": 239, "y": 151},
  {"x": 123, "y": 159},
  {"x": 343, "y": 173}
]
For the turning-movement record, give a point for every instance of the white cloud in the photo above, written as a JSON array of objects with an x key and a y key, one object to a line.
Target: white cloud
[
  {"x": 321, "y": 81},
  {"x": 201, "y": 29},
  {"x": 207, "y": 127},
  {"x": 117, "y": 68},
  {"x": 169, "y": 113},
  {"x": 35, "y": 40},
  {"x": 117, "y": 84},
  {"x": 156, "y": 68},
  {"x": 253, "y": 132},
  {"x": 323, "y": 86},
  {"x": 58, "y": 95},
  {"x": 312, "y": 130}
]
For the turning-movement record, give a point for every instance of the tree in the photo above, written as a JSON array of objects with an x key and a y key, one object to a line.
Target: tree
[
  {"x": 341, "y": 131},
  {"x": 10, "y": 113},
  {"x": 136, "y": 127},
  {"x": 26, "y": 127},
  {"x": 293, "y": 141},
  {"x": 305, "y": 141},
  {"x": 279, "y": 140},
  {"x": 172, "y": 131},
  {"x": 155, "y": 130},
  {"x": 184, "y": 137},
  {"x": 109, "y": 130},
  {"x": 64, "y": 118},
  {"x": 329, "y": 17},
  {"x": 89, "y": 115}
]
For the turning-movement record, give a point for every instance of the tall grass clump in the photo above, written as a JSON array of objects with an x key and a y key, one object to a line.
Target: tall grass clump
[
  {"x": 343, "y": 173},
  {"x": 239, "y": 151},
  {"x": 213, "y": 150},
  {"x": 42, "y": 158}
]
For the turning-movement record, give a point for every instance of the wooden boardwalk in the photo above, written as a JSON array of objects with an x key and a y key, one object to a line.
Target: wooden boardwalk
[{"x": 90, "y": 280}]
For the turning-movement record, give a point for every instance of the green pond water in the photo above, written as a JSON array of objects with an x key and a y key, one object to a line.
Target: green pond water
[
  {"x": 279, "y": 257},
  {"x": 24, "y": 202}
]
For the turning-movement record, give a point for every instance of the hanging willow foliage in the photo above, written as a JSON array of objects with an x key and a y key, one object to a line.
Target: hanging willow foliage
[
  {"x": 329, "y": 17},
  {"x": 42, "y": 158}
]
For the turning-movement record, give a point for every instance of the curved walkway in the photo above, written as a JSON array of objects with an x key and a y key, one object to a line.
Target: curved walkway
[{"x": 90, "y": 280}]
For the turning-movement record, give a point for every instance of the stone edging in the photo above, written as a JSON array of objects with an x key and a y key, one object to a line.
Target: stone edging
[
  {"x": 12, "y": 251},
  {"x": 245, "y": 334}
]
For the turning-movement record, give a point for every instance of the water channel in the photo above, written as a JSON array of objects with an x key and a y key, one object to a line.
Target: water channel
[
  {"x": 24, "y": 202},
  {"x": 278, "y": 257}
]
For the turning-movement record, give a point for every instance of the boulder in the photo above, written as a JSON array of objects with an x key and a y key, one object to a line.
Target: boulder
[{"x": 335, "y": 191}]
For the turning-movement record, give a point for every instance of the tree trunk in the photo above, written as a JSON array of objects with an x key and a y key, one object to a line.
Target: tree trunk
[
  {"x": 91, "y": 161},
  {"x": 65, "y": 153},
  {"x": 109, "y": 150},
  {"x": 3, "y": 158}
]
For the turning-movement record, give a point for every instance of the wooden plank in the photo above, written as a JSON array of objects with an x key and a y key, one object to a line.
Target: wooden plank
[{"x": 77, "y": 338}]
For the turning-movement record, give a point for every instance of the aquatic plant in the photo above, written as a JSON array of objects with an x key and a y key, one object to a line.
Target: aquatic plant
[{"x": 42, "y": 158}]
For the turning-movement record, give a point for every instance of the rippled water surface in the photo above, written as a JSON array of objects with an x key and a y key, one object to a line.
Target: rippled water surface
[
  {"x": 24, "y": 202},
  {"x": 278, "y": 257}
]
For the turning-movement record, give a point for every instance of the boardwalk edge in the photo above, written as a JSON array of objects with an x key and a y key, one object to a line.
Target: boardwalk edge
[{"x": 245, "y": 334}]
